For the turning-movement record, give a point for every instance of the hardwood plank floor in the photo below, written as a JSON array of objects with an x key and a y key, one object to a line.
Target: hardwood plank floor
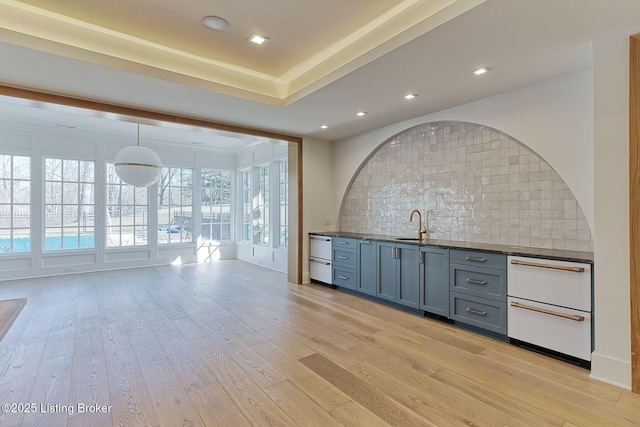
[{"x": 233, "y": 344}]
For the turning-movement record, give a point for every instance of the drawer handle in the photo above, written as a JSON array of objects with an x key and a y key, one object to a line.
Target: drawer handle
[
  {"x": 553, "y": 267},
  {"x": 470, "y": 258},
  {"x": 364, "y": 242},
  {"x": 343, "y": 277},
  {"x": 481, "y": 313},
  {"x": 477, "y": 282},
  {"x": 343, "y": 257},
  {"x": 320, "y": 262},
  {"x": 342, "y": 242},
  {"x": 549, "y": 312},
  {"x": 324, "y": 239}
]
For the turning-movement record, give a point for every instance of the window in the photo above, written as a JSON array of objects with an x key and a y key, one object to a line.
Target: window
[
  {"x": 69, "y": 204},
  {"x": 261, "y": 227},
  {"x": 216, "y": 204},
  {"x": 283, "y": 183},
  {"x": 245, "y": 221},
  {"x": 15, "y": 204},
  {"x": 175, "y": 196},
  {"x": 127, "y": 209}
]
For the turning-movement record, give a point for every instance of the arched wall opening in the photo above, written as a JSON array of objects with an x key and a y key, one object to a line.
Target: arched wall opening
[{"x": 482, "y": 185}]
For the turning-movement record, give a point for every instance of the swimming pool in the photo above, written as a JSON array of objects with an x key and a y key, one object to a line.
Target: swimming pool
[{"x": 51, "y": 243}]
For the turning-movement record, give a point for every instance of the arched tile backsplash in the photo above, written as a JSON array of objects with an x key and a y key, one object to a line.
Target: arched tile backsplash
[{"x": 482, "y": 185}]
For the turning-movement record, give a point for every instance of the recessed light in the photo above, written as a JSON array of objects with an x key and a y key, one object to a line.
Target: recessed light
[
  {"x": 324, "y": 127},
  {"x": 258, "y": 39},
  {"x": 361, "y": 113},
  {"x": 410, "y": 96},
  {"x": 480, "y": 71},
  {"x": 215, "y": 23}
]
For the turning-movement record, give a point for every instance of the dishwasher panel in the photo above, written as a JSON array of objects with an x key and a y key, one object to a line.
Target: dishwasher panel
[{"x": 556, "y": 328}]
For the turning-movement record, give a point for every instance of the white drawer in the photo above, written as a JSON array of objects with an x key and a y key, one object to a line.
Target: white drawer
[
  {"x": 567, "y": 284},
  {"x": 320, "y": 247},
  {"x": 550, "y": 329},
  {"x": 320, "y": 270}
]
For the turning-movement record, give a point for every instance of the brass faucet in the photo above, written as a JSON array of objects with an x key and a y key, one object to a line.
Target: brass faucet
[{"x": 421, "y": 231}]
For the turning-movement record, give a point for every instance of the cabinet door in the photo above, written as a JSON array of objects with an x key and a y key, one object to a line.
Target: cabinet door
[
  {"x": 408, "y": 275},
  {"x": 386, "y": 284},
  {"x": 367, "y": 268},
  {"x": 434, "y": 280}
]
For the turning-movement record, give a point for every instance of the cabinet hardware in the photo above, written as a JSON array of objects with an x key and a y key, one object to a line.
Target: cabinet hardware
[
  {"x": 553, "y": 267},
  {"x": 324, "y": 239},
  {"x": 343, "y": 277},
  {"x": 342, "y": 242},
  {"x": 343, "y": 257},
  {"x": 393, "y": 253},
  {"x": 481, "y": 313},
  {"x": 421, "y": 257},
  {"x": 320, "y": 262},
  {"x": 549, "y": 312},
  {"x": 364, "y": 242},
  {"x": 398, "y": 253},
  {"x": 470, "y": 258},
  {"x": 477, "y": 282}
]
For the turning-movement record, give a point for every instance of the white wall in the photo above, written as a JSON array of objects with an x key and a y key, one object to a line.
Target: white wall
[
  {"x": 612, "y": 356},
  {"x": 553, "y": 118},
  {"x": 317, "y": 197}
]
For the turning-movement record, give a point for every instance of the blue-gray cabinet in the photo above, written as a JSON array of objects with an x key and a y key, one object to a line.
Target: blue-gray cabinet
[
  {"x": 434, "y": 280},
  {"x": 367, "y": 270},
  {"x": 478, "y": 289},
  {"x": 398, "y": 273},
  {"x": 344, "y": 260}
]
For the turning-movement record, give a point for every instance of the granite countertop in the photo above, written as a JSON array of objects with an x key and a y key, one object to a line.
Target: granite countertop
[{"x": 555, "y": 254}]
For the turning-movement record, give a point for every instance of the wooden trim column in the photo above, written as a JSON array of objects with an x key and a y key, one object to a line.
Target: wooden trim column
[{"x": 634, "y": 207}]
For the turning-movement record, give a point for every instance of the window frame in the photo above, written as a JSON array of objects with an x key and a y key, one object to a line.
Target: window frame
[
  {"x": 176, "y": 232},
  {"x": 11, "y": 180},
  {"x": 140, "y": 231},
  {"x": 79, "y": 206},
  {"x": 211, "y": 206}
]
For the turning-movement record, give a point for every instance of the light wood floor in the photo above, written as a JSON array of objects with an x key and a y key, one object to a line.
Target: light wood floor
[{"x": 231, "y": 344}]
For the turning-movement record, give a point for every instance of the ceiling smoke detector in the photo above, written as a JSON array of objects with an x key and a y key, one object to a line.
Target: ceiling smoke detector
[{"x": 215, "y": 23}]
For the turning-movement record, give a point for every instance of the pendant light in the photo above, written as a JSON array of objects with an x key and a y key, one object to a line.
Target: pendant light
[{"x": 137, "y": 165}]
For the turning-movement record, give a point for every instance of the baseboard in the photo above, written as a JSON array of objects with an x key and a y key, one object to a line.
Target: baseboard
[{"x": 610, "y": 370}]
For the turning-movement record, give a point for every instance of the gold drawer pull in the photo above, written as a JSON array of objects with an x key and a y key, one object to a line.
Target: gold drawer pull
[
  {"x": 470, "y": 258},
  {"x": 481, "y": 313},
  {"x": 553, "y": 267},
  {"x": 477, "y": 282},
  {"x": 549, "y": 312},
  {"x": 343, "y": 277}
]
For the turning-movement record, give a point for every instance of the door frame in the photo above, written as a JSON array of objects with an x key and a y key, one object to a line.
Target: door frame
[{"x": 634, "y": 207}]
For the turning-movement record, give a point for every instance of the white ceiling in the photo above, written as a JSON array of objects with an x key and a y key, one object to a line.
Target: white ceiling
[{"x": 523, "y": 41}]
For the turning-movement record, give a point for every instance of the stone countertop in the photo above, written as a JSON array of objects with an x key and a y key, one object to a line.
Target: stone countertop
[{"x": 555, "y": 254}]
